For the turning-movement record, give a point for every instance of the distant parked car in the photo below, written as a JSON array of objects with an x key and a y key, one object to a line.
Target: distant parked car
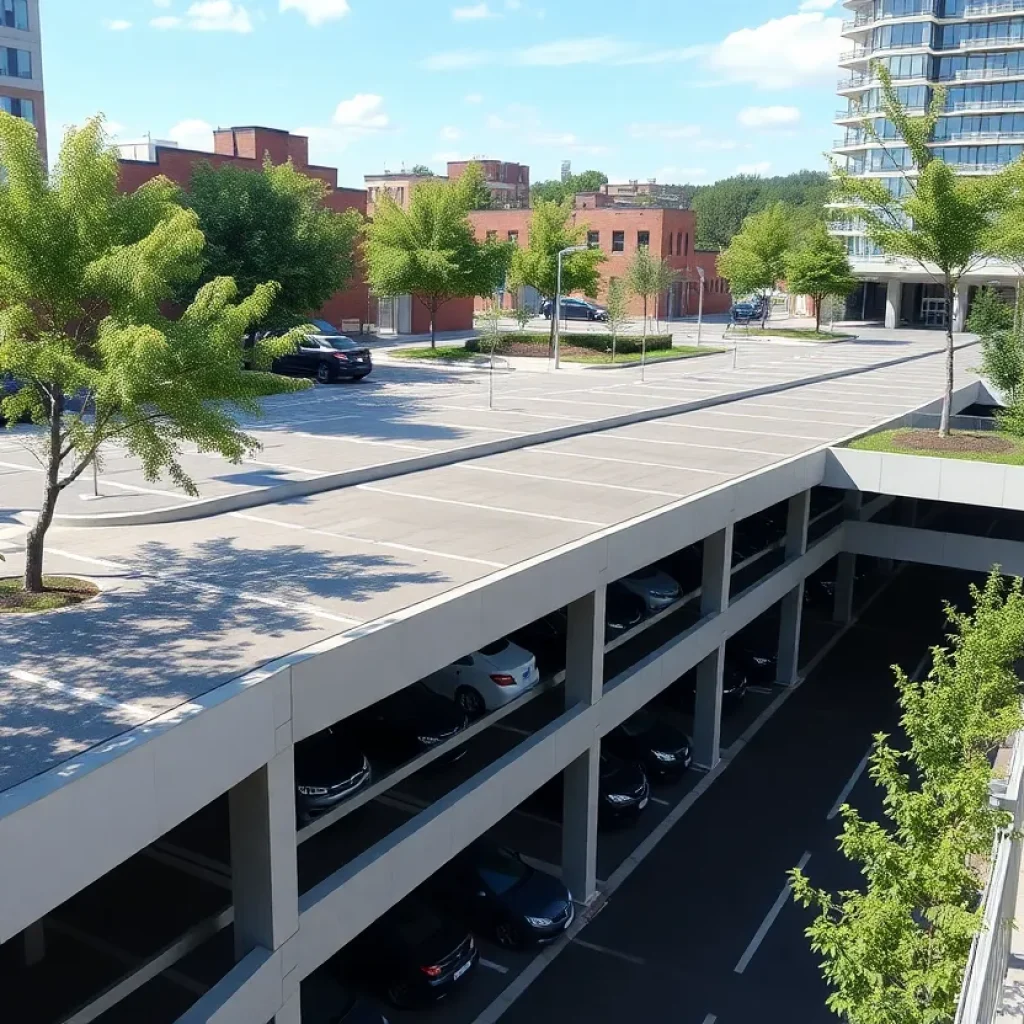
[
  {"x": 682, "y": 694},
  {"x": 574, "y": 309},
  {"x": 487, "y": 679},
  {"x": 623, "y": 611},
  {"x": 329, "y": 357},
  {"x": 623, "y": 791},
  {"x": 654, "y": 587},
  {"x": 500, "y": 895},
  {"x": 662, "y": 750},
  {"x": 328, "y": 770}
]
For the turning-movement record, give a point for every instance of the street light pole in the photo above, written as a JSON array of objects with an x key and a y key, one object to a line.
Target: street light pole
[
  {"x": 556, "y": 311},
  {"x": 700, "y": 303}
]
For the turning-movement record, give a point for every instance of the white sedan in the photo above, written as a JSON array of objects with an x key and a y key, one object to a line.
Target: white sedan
[
  {"x": 487, "y": 679},
  {"x": 655, "y": 588}
]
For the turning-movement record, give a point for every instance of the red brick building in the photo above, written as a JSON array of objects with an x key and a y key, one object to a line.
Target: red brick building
[
  {"x": 246, "y": 148},
  {"x": 619, "y": 232},
  {"x": 509, "y": 183}
]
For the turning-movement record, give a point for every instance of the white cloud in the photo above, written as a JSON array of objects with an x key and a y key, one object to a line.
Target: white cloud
[
  {"x": 118, "y": 25},
  {"x": 450, "y": 133},
  {"x": 768, "y": 117},
  {"x": 513, "y": 5},
  {"x": 165, "y": 21},
  {"x": 761, "y": 167},
  {"x": 524, "y": 125},
  {"x": 784, "y": 53},
  {"x": 192, "y": 133},
  {"x": 218, "y": 16},
  {"x": 456, "y": 60},
  {"x": 563, "y": 52},
  {"x": 474, "y": 98},
  {"x": 363, "y": 113},
  {"x": 316, "y": 12},
  {"x": 663, "y": 130},
  {"x": 817, "y": 5},
  {"x": 476, "y": 12}
]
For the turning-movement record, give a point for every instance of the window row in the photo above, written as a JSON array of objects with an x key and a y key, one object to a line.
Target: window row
[
  {"x": 15, "y": 63},
  {"x": 678, "y": 243},
  {"x": 14, "y": 14},
  {"x": 19, "y": 108},
  {"x": 1003, "y": 123},
  {"x": 949, "y": 37},
  {"x": 994, "y": 94},
  {"x": 907, "y": 34},
  {"x": 983, "y": 63},
  {"x": 902, "y": 8}
]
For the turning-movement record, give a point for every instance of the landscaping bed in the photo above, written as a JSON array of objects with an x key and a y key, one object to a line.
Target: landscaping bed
[
  {"x": 976, "y": 445},
  {"x": 60, "y": 592}
]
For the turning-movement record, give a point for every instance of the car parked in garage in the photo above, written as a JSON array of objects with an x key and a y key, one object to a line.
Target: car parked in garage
[
  {"x": 682, "y": 694},
  {"x": 330, "y": 356},
  {"x": 487, "y": 679},
  {"x": 662, "y": 750},
  {"x": 623, "y": 611},
  {"x": 654, "y": 587},
  {"x": 624, "y": 790},
  {"x": 408, "y": 723},
  {"x": 545, "y": 639},
  {"x": 329, "y": 769},
  {"x": 411, "y": 955},
  {"x": 499, "y": 894}
]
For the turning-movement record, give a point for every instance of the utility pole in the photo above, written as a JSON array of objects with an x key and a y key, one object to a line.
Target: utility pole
[{"x": 556, "y": 310}]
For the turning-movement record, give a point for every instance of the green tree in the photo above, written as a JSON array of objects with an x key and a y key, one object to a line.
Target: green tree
[
  {"x": 755, "y": 260},
  {"x": 1002, "y": 344},
  {"x": 272, "y": 225},
  {"x": 473, "y": 183},
  {"x": 895, "y": 952},
  {"x": 617, "y": 304},
  {"x": 536, "y": 264},
  {"x": 648, "y": 277},
  {"x": 820, "y": 268},
  {"x": 421, "y": 170},
  {"x": 558, "y": 191},
  {"x": 84, "y": 270},
  {"x": 940, "y": 220},
  {"x": 430, "y": 250}
]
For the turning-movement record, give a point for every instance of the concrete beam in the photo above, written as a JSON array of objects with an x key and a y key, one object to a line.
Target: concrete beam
[
  {"x": 797, "y": 523},
  {"x": 714, "y": 601}
]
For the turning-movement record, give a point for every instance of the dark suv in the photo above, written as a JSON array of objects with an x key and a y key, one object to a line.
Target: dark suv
[{"x": 575, "y": 309}]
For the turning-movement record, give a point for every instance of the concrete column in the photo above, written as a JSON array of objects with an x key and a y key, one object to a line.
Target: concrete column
[
  {"x": 584, "y": 684},
  {"x": 846, "y": 573},
  {"x": 893, "y": 301},
  {"x": 263, "y": 856},
  {"x": 291, "y": 1012},
  {"x": 33, "y": 944},
  {"x": 960, "y": 306},
  {"x": 707, "y": 712},
  {"x": 792, "y": 605}
]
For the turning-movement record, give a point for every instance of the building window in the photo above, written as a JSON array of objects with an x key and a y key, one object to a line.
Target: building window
[
  {"x": 618, "y": 241},
  {"x": 679, "y": 243},
  {"x": 15, "y": 63},
  {"x": 513, "y": 237},
  {"x": 492, "y": 236},
  {"x": 593, "y": 239},
  {"x": 686, "y": 244},
  {"x": 19, "y": 108},
  {"x": 643, "y": 239},
  {"x": 14, "y": 14}
]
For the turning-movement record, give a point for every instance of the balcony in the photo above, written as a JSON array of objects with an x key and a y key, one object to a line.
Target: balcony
[
  {"x": 924, "y": 9},
  {"x": 857, "y": 53},
  {"x": 968, "y": 74},
  {"x": 969, "y": 105},
  {"x": 851, "y": 143},
  {"x": 983, "y": 137},
  {"x": 992, "y": 43},
  {"x": 987, "y": 8}
]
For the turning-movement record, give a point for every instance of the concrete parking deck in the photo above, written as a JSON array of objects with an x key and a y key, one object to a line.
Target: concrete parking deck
[{"x": 188, "y": 607}]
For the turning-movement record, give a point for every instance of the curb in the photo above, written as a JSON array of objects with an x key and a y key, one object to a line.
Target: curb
[{"x": 369, "y": 474}]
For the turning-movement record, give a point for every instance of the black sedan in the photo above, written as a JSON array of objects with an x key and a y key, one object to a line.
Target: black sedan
[
  {"x": 624, "y": 790},
  {"x": 755, "y": 652},
  {"x": 498, "y": 893},
  {"x": 411, "y": 956},
  {"x": 623, "y": 611},
  {"x": 574, "y": 309},
  {"x": 682, "y": 694},
  {"x": 663, "y": 751},
  {"x": 328, "y": 357},
  {"x": 407, "y": 724},
  {"x": 329, "y": 768}
]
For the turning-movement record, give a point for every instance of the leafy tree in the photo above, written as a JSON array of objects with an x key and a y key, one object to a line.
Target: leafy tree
[
  {"x": 522, "y": 315},
  {"x": 755, "y": 260},
  {"x": 820, "y": 268},
  {"x": 617, "y": 304},
  {"x": 84, "y": 270},
  {"x": 648, "y": 277},
  {"x": 272, "y": 225},
  {"x": 895, "y": 953},
  {"x": 536, "y": 264},
  {"x": 430, "y": 250},
  {"x": 1002, "y": 344},
  {"x": 558, "y": 191},
  {"x": 941, "y": 221},
  {"x": 422, "y": 171},
  {"x": 474, "y": 185}
]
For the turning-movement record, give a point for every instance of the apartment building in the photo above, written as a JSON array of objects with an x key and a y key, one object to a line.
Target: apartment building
[
  {"x": 246, "y": 147},
  {"x": 650, "y": 192},
  {"x": 21, "y": 64},
  {"x": 509, "y": 182},
  {"x": 398, "y": 187},
  {"x": 974, "y": 49},
  {"x": 620, "y": 232}
]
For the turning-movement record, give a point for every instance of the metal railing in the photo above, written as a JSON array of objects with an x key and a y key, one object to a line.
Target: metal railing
[
  {"x": 982, "y": 137},
  {"x": 991, "y": 42},
  {"x": 863, "y": 20},
  {"x": 990, "y": 952},
  {"x": 987, "y": 105},
  {"x": 983, "y": 8},
  {"x": 1004, "y": 72}
]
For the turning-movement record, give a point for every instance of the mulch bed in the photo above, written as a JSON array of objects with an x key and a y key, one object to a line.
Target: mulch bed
[
  {"x": 958, "y": 441},
  {"x": 60, "y": 592}
]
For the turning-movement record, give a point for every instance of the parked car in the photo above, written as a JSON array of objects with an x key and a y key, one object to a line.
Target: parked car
[
  {"x": 353, "y": 1010},
  {"x": 744, "y": 312},
  {"x": 754, "y": 651},
  {"x": 411, "y": 955},
  {"x": 682, "y": 694},
  {"x": 409, "y": 723},
  {"x": 624, "y": 790},
  {"x": 662, "y": 750},
  {"x": 686, "y": 567},
  {"x": 328, "y": 357},
  {"x": 654, "y": 587},
  {"x": 575, "y": 309},
  {"x": 329, "y": 768},
  {"x": 623, "y": 610},
  {"x": 545, "y": 639},
  {"x": 500, "y": 895},
  {"x": 487, "y": 679},
  {"x": 759, "y": 531}
]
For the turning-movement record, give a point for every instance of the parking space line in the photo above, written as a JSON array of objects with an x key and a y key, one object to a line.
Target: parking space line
[
  {"x": 639, "y": 961},
  {"x": 851, "y": 782},
  {"x": 627, "y": 462},
  {"x": 706, "y": 447},
  {"x": 363, "y": 440},
  {"x": 477, "y": 505},
  {"x": 83, "y": 693},
  {"x": 492, "y": 966},
  {"x": 476, "y": 467},
  {"x": 660, "y": 801},
  {"x": 733, "y": 430},
  {"x": 766, "y": 924},
  {"x": 710, "y": 1019}
]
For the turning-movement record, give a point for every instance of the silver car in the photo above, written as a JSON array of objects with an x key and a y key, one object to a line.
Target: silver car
[{"x": 655, "y": 588}]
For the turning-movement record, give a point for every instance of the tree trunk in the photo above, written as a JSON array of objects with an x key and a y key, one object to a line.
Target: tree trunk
[
  {"x": 817, "y": 314},
  {"x": 764, "y": 311},
  {"x": 551, "y": 333},
  {"x": 433, "y": 318},
  {"x": 644, "y": 341},
  {"x": 33, "y": 579},
  {"x": 947, "y": 397}
]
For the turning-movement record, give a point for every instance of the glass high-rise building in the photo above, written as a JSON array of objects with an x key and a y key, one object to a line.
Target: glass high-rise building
[{"x": 975, "y": 50}]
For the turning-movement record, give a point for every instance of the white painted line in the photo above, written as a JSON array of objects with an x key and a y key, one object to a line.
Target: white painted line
[
  {"x": 84, "y": 693},
  {"x": 107, "y": 482},
  {"x": 785, "y": 418},
  {"x": 492, "y": 966},
  {"x": 517, "y": 412},
  {"x": 710, "y": 1019},
  {"x": 477, "y": 468},
  {"x": 680, "y": 423},
  {"x": 476, "y": 505},
  {"x": 363, "y": 440},
  {"x": 660, "y": 801},
  {"x": 766, "y": 924},
  {"x": 626, "y": 462},
  {"x": 514, "y": 729},
  {"x": 263, "y": 462},
  {"x": 850, "y": 783},
  {"x": 693, "y": 444},
  {"x": 628, "y": 957}
]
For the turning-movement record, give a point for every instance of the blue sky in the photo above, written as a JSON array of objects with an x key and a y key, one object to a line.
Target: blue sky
[{"x": 681, "y": 90}]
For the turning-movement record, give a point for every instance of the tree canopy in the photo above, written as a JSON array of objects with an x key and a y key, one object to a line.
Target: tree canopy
[
  {"x": 430, "y": 250},
  {"x": 649, "y": 276},
  {"x": 421, "y": 170},
  {"x": 85, "y": 272},
  {"x": 475, "y": 188},
  {"x": 819, "y": 267},
  {"x": 558, "y": 191},
  {"x": 271, "y": 225},
  {"x": 755, "y": 260}
]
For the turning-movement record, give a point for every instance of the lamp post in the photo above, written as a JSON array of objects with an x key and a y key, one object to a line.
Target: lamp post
[
  {"x": 557, "y": 310},
  {"x": 700, "y": 303}
]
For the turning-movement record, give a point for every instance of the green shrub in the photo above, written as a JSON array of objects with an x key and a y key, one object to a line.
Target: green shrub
[{"x": 624, "y": 346}]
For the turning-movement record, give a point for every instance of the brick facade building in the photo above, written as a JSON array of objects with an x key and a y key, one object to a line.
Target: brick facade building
[{"x": 246, "y": 148}]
